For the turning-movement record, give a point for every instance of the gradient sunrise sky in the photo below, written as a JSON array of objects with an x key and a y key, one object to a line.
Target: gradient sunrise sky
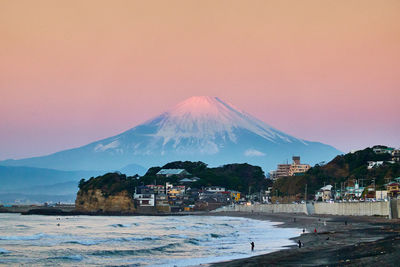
[{"x": 72, "y": 72}]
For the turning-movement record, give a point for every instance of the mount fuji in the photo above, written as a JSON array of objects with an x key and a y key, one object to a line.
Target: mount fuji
[{"x": 198, "y": 129}]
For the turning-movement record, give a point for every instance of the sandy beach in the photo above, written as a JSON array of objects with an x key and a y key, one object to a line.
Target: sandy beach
[{"x": 339, "y": 240}]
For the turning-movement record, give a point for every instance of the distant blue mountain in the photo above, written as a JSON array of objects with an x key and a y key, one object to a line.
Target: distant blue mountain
[
  {"x": 28, "y": 179},
  {"x": 199, "y": 128}
]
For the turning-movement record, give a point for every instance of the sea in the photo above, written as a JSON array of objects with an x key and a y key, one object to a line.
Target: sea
[{"x": 36, "y": 240}]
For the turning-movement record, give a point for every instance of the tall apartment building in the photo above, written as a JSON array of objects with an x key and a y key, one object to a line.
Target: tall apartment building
[{"x": 292, "y": 169}]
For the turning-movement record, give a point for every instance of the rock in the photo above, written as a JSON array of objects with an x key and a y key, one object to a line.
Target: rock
[{"x": 93, "y": 201}]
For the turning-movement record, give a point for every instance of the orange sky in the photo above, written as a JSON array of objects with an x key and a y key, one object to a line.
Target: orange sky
[{"x": 72, "y": 72}]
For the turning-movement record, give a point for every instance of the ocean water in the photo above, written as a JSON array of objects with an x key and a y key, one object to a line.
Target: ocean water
[{"x": 134, "y": 241}]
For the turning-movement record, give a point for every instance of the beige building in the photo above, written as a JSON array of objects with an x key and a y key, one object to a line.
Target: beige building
[{"x": 292, "y": 169}]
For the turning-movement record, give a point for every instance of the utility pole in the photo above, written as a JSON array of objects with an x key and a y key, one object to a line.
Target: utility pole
[{"x": 305, "y": 194}]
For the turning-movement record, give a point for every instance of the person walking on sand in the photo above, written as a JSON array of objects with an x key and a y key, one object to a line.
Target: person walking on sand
[{"x": 252, "y": 246}]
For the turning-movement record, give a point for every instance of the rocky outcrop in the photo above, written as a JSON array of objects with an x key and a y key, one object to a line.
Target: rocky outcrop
[{"x": 94, "y": 201}]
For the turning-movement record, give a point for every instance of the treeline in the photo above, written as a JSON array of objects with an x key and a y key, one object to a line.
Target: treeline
[{"x": 240, "y": 177}]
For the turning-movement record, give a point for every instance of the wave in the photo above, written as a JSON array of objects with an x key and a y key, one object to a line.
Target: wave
[
  {"x": 216, "y": 235},
  {"x": 117, "y": 225},
  {"x": 131, "y": 252},
  {"x": 22, "y": 237},
  {"x": 83, "y": 242},
  {"x": 22, "y": 226},
  {"x": 4, "y": 251},
  {"x": 178, "y": 236},
  {"x": 108, "y": 240},
  {"x": 136, "y": 238},
  {"x": 68, "y": 257},
  {"x": 192, "y": 241}
]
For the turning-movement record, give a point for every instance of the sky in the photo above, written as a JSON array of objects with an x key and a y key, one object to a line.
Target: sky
[{"x": 73, "y": 72}]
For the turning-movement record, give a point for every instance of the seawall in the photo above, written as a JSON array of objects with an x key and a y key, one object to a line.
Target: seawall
[{"x": 390, "y": 209}]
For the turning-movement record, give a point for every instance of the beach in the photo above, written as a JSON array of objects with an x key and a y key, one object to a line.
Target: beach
[{"x": 339, "y": 240}]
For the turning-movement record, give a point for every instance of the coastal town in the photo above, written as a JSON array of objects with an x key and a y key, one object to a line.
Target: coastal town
[
  {"x": 175, "y": 190},
  {"x": 184, "y": 197}
]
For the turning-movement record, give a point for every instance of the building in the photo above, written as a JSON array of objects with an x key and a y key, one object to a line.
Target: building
[
  {"x": 381, "y": 194},
  {"x": 282, "y": 170},
  {"x": 215, "y": 189},
  {"x": 355, "y": 191},
  {"x": 144, "y": 196},
  {"x": 175, "y": 191},
  {"x": 171, "y": 172},
  {"x": 162, "y": 204},
  {"x": 158, "y": 189},
  {"x": 374, "y": 164},
  {"x": 325, "y": 193},
  {"x": 293, "y": 169},
  {"x": 396, "y": 155},
  {"x": 189, "y": 180},
  {"x": 382, "y": 149},
  {"x": 235, "y": 196},
  {"x": 393, "y": 189},
  {"x": 272, "y": 175}
]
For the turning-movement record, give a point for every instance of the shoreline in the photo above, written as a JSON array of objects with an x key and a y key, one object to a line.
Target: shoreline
[{"x": 340, "y": 240}]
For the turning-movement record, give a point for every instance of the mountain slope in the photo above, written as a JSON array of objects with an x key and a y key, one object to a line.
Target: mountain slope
[{"x": 197, "y": 129}]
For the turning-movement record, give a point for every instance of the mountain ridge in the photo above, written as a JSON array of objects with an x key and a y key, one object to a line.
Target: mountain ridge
[{"x": 198, "y": 129}]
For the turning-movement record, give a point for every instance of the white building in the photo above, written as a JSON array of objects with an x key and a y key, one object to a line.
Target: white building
[
  {"x": 215, "y": 189},
  {"x": 144, "y": 196},
  {"x": 373, "y": 164}
]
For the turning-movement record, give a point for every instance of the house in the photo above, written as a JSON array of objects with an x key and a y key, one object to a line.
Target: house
[
  {"x": 374, "y": 164},
  {"x": 174, "y": 192},
  {"x": 324, "y": 193},
  {"x": 396, "y": 155},
  {"x": 235, "y": 196},
  {"x": 158, "y": 189},
  {"x": 215, "y": 189},
  {"x": 144, "y": 196},
  {"x": 171, "y": 172},
  {"x": 162, "y": 204},
  {"x": 189, "y": 180},
  {"x": 393, "y": 189},
  {"x": 354, "y": 191},
  {"x": 382, "y": 149}
]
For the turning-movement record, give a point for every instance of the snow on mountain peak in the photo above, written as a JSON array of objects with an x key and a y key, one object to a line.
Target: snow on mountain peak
[{"x": 207, "y": 118}]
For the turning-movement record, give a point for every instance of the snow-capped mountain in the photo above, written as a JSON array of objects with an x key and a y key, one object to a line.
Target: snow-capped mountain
[{"x": 198, "y": 129}]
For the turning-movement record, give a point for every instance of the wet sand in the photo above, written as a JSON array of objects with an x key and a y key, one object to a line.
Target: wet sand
[{"x": 363, "y": 241}]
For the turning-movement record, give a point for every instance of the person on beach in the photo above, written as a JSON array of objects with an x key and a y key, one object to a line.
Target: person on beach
[
  {"x": 300, "y": 244},
  {"x": 252, "y": 246}
]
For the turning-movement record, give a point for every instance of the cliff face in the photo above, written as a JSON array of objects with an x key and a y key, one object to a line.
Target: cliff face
[{"x": 94, "y": 201}]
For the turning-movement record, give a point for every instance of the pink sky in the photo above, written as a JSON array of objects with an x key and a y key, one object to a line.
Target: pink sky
[{"x": 72, "y": 72}]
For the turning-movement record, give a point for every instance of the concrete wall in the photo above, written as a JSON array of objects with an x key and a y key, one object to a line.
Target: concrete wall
[
  {"x": 271, "y": 208},
  {"x": 349, "y": 209},
  {"x": 353, "y": 209}
]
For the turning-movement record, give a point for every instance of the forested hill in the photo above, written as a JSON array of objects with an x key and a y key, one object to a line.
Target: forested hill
[
  {"x": 341, "y": 169},
  {"x": 240, "y": 177}
]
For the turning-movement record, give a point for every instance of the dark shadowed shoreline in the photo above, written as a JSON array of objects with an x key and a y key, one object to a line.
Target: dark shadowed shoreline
[{"x": 340, "y": 240}]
